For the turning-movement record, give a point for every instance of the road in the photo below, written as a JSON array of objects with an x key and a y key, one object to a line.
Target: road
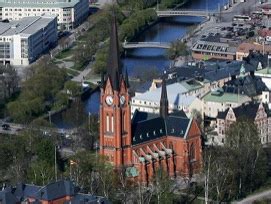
[
  {"x": 239, "y": 8},
  {"x": 257, "y": 197}
]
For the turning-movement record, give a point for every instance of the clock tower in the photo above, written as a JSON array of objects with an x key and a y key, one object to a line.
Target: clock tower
[{"x": 115, "y": 110}]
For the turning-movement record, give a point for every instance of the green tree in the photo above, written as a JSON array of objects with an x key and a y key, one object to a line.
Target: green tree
[
  {"x": 72, "y": 88},
  {"x": 178, "y": 48}
]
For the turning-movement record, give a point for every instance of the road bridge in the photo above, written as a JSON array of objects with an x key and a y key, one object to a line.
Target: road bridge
[
  {"x": 133, "y": 45},
  {"x": 197, "y": 13}
]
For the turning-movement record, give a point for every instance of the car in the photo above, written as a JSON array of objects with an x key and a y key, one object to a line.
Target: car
[{"x": 5, "y": 126}]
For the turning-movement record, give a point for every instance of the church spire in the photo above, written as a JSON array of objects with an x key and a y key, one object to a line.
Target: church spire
[
  {"x": 127, "y": 79},
  {"x": 164, "y": 100},
  {"x": 113, "y": 65}
]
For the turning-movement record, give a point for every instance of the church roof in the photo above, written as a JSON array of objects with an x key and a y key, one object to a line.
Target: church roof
[{"x": 147, "y": 127}]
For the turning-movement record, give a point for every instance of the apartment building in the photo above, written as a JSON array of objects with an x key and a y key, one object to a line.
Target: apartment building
[
  {"x": 257, "y": 112},
  {"x": 70, "y": 13},
  {"x": 23, "y": 41}
]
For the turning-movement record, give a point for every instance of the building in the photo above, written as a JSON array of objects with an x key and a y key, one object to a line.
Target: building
[
  {"x": 147, "y": 142},
  {"x": 69, "y": 13},
  {"x": 218, "y": 100},
  {"x": 23, "y": 41},
  {"x": 265, "y": 75},
  {"x": 181, "y": 96},
  {"x": 244, "y": 49},
  {"x": 246, "y": 84},
  {"x": 59, "y": 192},
  {"x": 212, "y": 47},
  {"x": 257, "y": 112}
]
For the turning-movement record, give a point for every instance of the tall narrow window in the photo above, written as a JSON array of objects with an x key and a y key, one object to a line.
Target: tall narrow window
[
  {"x": 123, "y": 123},
  {"x": 112, "y": 125},
  {"x": 107, "y": 123},
  {"x": 192, "y": 152}
]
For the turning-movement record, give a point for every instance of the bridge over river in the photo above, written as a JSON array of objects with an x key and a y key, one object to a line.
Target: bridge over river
[
  {"x": 133, "y": 45},
  {"x": 197, "y": 13}
]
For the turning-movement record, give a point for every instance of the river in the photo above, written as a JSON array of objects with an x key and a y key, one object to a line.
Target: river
[{"x": 136, "y": 60}]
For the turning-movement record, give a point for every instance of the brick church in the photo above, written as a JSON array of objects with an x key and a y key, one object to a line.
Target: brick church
[{"x": 146, "y": 142}]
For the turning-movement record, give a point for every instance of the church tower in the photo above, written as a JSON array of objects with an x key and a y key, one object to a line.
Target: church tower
[{"x": 115, "y": 110}]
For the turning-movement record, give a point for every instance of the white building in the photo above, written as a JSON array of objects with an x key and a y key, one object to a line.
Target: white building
[
  {"x": 179, "y": 98},
  {"x": 23, "y": 41},
  {"x": 70, "y": 13}
]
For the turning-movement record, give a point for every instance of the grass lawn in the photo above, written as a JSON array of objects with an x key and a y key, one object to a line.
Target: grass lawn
[{"x": 65, "y": 53}]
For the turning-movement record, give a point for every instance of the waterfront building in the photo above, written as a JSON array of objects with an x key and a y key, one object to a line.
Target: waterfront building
[
  {"x": 69, "y": 13},
  {"x": 147, "y": 142},
  {"x": 257, "y": 112},
  {"x": 59, "y": 192},
  {"x": 212, "y": 47},
  {"x": 23, "y": 41}
]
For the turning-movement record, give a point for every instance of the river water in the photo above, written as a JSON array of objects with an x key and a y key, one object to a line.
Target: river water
[{"x": 136, "y": 60}]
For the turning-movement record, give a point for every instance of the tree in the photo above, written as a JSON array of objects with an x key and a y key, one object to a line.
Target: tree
[
  {"x": 178, "y": 48},
  {"x": 40, "y": 173},
  {"x": 238, "y": 168},
  {"x": 250, "y": 165},
  {"x": 72, "y": 88},
  {"x": 163, "y": 187}
]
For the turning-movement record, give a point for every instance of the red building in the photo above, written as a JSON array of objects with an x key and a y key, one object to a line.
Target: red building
[{"x": 147, "y": 141}]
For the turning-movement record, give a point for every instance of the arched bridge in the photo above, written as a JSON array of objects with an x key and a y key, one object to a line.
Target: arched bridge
[
  {"x": 133, "y": 45},
  {"x": 198, "y": 13}
]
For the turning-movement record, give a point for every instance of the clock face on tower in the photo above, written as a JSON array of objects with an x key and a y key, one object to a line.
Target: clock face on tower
[
  {"x": 122, "y": 100},
  {"x": 109, "y": 100}
]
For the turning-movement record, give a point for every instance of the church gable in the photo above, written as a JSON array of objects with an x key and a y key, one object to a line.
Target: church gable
[{"x": 192, "y": 130}]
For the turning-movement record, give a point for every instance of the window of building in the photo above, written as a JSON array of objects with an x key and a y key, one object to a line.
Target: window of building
[
  {"x": 192, "y": 152},
  {"x": 112, "y": 123},
  {"x": 107, "y": 123}
]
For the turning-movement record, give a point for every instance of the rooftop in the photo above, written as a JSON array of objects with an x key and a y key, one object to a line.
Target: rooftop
[
  {"x": 26, "y": 26},
  {"x": 176, "y": 95},
  {"x": 146, "y": 128},
  {"x": 246, "y": 47},
  {"x": 222, "y": 97},
  {"x": 39, "y": 3}
]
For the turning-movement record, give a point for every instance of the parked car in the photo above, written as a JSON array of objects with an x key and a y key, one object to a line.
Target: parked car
[{"x": 5, "y": 126}]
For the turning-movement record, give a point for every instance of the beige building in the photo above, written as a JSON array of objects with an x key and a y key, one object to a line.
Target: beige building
[
  {"x": 206, "y": 50},
  {"x": 216, "y": 101},
  {"x": 244, "y": 49}
]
